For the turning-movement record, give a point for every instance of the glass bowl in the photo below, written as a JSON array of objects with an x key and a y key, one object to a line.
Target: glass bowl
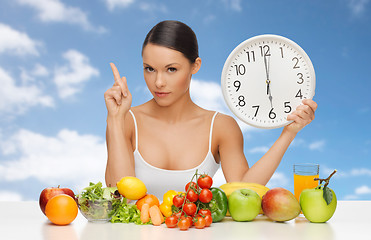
[{"x": 98, "y": 210}]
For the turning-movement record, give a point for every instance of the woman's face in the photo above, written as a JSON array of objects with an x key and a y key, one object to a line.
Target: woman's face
[{"x": 167, "y": 73}]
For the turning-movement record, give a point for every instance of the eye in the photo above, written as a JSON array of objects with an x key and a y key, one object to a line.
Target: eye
[
  {"x": 171, "y": 69},
  {"x": 149, "y": 69}
]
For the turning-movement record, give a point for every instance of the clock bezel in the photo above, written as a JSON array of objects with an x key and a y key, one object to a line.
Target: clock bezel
[{"x": 237, "y": 50}]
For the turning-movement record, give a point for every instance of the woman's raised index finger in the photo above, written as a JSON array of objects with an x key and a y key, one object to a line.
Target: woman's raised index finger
[{"x": 116, "y": 73}]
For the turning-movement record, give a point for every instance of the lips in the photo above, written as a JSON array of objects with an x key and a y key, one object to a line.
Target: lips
[{"x": 162, "y": 94}]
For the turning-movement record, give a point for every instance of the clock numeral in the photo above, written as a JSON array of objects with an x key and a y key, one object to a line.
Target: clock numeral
[
  {"x": 265, "y": 50},
  {"x": 237, "y": 84},
  {"x": 252, "y": 56},
  {"x": 272, "y": 115},
  {"x": 257, "y": 109},
  {"x": 296, "y": 64},
  {"x": 299, "y": 94},
  {"x": 286, "y": 104},
  {"x": 240, "y": 69},
  {"x": 241, "y": 101},
  {"x": 300, "y": 75},
  {"x": 281, "y": 51}
]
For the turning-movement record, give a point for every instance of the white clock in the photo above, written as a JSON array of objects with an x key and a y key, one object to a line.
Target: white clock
[{"x": 265, "y": 78}]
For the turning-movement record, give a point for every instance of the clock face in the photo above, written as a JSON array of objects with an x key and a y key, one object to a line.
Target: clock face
[{"x": 265, "y": 78}]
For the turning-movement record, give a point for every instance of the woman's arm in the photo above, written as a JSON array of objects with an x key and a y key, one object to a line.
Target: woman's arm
[
  {"x": 233, "y": 160},
  {"x": 120, "y": 161}
]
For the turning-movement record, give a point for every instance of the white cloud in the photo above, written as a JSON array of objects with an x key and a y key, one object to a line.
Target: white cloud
[
  {"x": 37, "y": 72},
  {"x": 57, "y": 11},
  {"x": 16, "y": 42},
  {"x": 71, "y": 77},
  {"x": 10, "y": 196},
  {"x": 233, "y": 4},
  {"x": 68, "y": 157},
  {"x": 317, "y": 145},
  {"x": 262, "y": 149},
  {"x": 152, "y": 7},
  {"x": 16, "y": 99},
  {"x": 357, "y": 7},
  {"x": 112, "y": 4},
  {"x": 278, "y": 179},
  {"x": 363, "y": 190}
]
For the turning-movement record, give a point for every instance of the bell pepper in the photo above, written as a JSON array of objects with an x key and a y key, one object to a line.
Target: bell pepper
[
  {"x": 218, "y": 204},
  {"x": 167, "y": 202}
]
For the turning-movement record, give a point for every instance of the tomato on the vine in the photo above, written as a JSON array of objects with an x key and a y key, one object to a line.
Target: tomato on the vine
[
  {"x": 205, "y": 181},
  {"x": 171, "y": 221},
  {"x": 208, "y": 220},
  {"x": 191, "y": 185},
  {"x": 178, "y": 201},
  {"x": 200, "y": 222},
  {"x": 184, "y": 224},
  {"x": 204, "y": 212},
  {"x": 205, "y": 195},
  {"x": 192, "y": 196},
  {"x": 190, "y": 209}
]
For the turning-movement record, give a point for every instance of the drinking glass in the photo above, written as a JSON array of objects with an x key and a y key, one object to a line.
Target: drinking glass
[{"x": 304, "y": 174}]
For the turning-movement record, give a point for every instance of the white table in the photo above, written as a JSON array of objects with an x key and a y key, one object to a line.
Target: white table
[{"x": 24, "y": 220}]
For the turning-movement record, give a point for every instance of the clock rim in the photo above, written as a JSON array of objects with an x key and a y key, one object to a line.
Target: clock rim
[{"x": 237, "y": 49}]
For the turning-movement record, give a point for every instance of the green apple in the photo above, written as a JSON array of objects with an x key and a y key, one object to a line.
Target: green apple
[
  {"x": 244, "y": 204},
  {"x": 314, "y": 206}
]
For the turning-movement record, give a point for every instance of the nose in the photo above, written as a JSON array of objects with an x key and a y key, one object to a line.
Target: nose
[{"x": 160, "y": 81}]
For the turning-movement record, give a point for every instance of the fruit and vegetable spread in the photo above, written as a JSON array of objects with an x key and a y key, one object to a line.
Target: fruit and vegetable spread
[{"x": 199, "y": 205}]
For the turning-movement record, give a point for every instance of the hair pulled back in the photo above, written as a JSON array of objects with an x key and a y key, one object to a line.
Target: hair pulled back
[{"x": 174, "y": 35}]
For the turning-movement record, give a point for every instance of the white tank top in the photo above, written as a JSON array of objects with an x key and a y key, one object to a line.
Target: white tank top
[{"x": 158, "y": 181}]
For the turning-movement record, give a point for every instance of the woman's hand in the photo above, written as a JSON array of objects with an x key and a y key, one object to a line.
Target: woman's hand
[
  {"x": 118, "y": 98},
  {"x": 302, "y": 116}
]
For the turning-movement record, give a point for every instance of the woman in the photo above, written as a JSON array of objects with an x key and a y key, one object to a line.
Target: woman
[{"x": 163, "y": 141}]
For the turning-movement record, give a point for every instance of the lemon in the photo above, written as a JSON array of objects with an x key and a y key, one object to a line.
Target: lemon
[{"x": 131, "y": 188}]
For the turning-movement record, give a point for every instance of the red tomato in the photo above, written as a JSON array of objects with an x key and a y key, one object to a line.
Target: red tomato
[
  {"x": 178, "y": 201},
  {"x": 205, "y": 195},
  {"x": 208, "y": 220},
  {"x": 205, "y": 181},
  {"x": 171, "y": 221},
  {"x": 200, "y": 222},
  {"x": 190, "y": 209},
  {"x": 184, "y": 224},
  {"x": 204, "y": 212},
  {"x": 192, "y": 185},
  {"x": 192, "y": 195}
]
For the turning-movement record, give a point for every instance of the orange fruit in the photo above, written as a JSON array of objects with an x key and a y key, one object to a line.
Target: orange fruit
[
  {"x": 150, "y": 199},
  {"x": 61, "y": 209}
]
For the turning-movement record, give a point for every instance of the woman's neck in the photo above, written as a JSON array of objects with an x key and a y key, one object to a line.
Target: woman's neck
[{"x": 180, "y": 110}]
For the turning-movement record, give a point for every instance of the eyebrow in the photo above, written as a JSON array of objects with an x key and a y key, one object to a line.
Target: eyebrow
[{"x": 168, "y": 65}]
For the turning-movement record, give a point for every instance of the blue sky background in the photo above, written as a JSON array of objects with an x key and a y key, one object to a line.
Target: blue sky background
[{"x": 54, "y": 70}]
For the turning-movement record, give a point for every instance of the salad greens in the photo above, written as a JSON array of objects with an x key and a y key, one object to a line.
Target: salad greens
[{"x": 97, "y": 202}]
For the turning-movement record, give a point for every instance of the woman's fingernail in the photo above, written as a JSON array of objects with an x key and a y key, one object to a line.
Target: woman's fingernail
[{"x": 125, "y": 94}]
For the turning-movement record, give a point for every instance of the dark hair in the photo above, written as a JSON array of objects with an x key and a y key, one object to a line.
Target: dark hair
[{"x": 174, "y": 35}]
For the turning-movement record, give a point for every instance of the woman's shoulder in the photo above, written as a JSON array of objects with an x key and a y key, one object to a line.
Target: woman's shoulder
[{"x": 225, "y": 125}]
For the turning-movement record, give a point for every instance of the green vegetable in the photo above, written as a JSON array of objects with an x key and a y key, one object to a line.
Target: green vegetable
[
  {"x": 218, "y": 204},
  {"x": 127, "y": 213}
]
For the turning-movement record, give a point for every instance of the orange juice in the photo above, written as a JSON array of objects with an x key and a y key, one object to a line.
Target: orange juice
[{"x": 302, "y": 182}]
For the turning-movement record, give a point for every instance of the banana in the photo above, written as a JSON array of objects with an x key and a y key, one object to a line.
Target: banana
[{"x": 228, "y": 188}]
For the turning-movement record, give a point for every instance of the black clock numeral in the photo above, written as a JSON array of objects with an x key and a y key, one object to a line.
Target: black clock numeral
[
  {"x": 272, "y": 115},
  {"x": 257, "y": 109},
  {"x": 296, "y": 64},
  {"x": 286, "y": 104},
  {"x": 240, "y": 69},
  {"x": 265, "y": 50},
  {"x": 252, "y": 58},
  {"x": 237, "y": 84},
  {"x": 281, "y": 51},
  {"x": 241, "y": 101},
  {"x": 300, "y": 75},
  {"x": 299, "y": 94}
]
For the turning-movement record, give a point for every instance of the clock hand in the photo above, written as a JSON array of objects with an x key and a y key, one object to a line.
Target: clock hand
[{"x": 266, "y": 64}]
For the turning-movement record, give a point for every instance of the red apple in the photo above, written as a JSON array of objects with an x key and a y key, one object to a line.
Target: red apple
[
  {"x": 50, "y": 192},
  {"x": 280, "y": 205}
]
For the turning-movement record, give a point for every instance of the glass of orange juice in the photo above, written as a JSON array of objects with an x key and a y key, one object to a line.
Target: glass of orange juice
[{"x": 304, "y": 174}]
